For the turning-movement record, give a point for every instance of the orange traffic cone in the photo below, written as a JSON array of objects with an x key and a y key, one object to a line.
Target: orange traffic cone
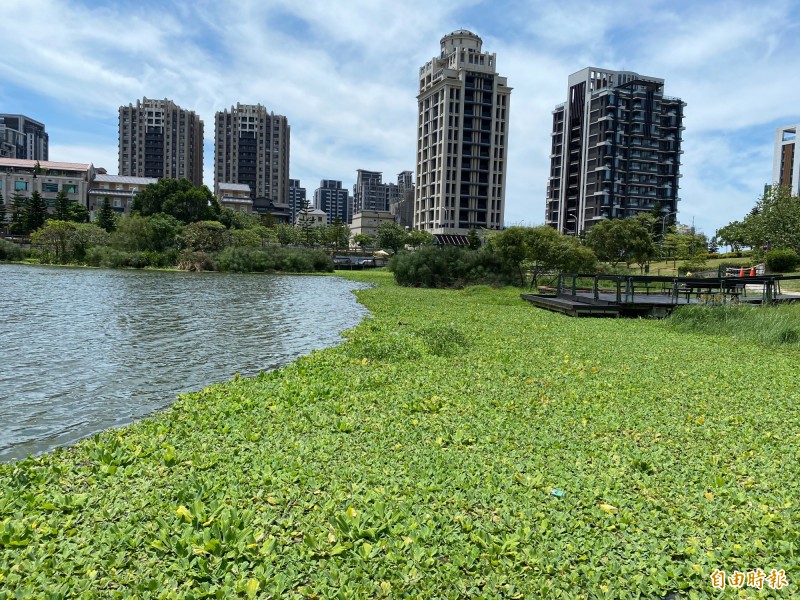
[
  {"x": 741, "y": 271},
  {"x": 752, "y": 271}
]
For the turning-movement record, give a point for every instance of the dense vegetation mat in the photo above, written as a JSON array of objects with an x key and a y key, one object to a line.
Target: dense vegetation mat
[{"x": 460, "y": 444}]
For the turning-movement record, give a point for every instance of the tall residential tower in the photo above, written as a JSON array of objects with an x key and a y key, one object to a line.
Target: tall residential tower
[
  {"x": 786, "y": 164},
  {"x": 157, "y": 138},
  {"x": 462, "y": 139},
  {"x": 252, "y": 147},
  {"x": 616, "y": 150},
  {"x": 331, "y": 198},
  {"x": 22, "y": 137}
]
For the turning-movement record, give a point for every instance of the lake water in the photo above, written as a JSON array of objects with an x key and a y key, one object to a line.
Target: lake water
[{"x": 82, "y": 350}]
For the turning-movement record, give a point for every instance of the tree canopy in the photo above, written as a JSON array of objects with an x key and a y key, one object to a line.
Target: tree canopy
[
  {"x": 179, "y": 199},
  {"x": 539, "y": 250},
  {"x": 391, "y": 236},
  {"x": 622, "y": 240}
]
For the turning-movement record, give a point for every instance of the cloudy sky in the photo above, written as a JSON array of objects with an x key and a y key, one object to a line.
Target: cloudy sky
[{"x": 344, "y": 72}]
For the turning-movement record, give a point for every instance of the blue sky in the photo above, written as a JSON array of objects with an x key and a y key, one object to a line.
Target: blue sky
[{"x": 345, "y": 75}]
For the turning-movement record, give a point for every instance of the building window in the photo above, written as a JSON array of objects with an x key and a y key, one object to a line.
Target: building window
[
  {"x": 21, "y": 186},
  {"x": 50, "y": 187},
  {"x": 70, "y": 188}
]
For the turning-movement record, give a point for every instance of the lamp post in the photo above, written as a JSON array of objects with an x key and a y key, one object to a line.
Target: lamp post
[
  {"x": 574, "y": 215},
  {"x": 664, "y": 223}
]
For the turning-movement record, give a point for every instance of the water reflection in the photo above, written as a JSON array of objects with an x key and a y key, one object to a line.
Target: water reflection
[{"x": 84, "y": 350}]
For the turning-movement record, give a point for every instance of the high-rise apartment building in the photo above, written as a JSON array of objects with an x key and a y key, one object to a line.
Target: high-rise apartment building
[
  {"x": 462, "y": 139},
  {"x": 22, "y": 137},
  {"x": 405, "y": 182},
  {"x": 403, "y": 207},
  {"x": 616, "y": 150},
  {"x": 786, "y": 164},
  {"x": 297, "y": 197},
  {"x": 370, "y": 193},
  {"x": 332, "y": 198},
  {"x": 158, "y": 138},
  {"x": 252, "y": 147}
]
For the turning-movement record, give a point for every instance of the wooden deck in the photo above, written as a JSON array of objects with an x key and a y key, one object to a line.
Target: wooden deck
[{"x": 591, "y": 295}]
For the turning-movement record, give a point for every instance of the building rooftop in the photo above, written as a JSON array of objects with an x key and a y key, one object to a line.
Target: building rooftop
[
  {"x": 23, "y": 163},
  {"x": 235, "y": 187},
  {"x": 104, "y": 178}
]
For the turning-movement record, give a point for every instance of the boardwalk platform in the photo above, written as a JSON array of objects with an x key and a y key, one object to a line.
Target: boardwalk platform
[{"x": 591, "y": 295}]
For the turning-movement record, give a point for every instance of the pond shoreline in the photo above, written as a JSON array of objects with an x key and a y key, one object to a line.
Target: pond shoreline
[{"x": 115, "y": 359}]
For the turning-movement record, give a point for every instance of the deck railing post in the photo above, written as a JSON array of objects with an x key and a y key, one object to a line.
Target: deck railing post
[
  {"x": 559, "y": 283},
  {"x": 596, "y": 287},
  {"x": 619, "y": 291},
  {"x": 574, "y": 285}
]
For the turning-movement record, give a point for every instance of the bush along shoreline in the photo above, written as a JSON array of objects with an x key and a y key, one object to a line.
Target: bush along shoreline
[{"x": 458, "y": 444}]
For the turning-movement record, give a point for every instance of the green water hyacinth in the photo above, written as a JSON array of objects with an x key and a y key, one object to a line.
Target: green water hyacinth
[{"x": 418, "y": 460}]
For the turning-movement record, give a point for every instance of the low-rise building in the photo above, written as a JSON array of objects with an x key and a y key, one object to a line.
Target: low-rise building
[
  {"x": 23, "y": 177},
  {"x": 235, "y": 196},
  {"x": 368, "y": 221},
  {"x": 313, "y": 216},
  {"x": 119, "y": 189}
]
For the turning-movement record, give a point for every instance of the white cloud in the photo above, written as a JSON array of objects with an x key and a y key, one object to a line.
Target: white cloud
[{"x": 345, "y": 74}]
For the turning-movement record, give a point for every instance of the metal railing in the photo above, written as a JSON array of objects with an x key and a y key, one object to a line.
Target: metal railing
[{"x": 625, "y": 288}]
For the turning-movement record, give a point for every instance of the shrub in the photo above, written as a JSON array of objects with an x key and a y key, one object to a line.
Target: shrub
[
  {"x": 782, "y": 261},
  {"x": 433, "y": 266},
  {"x": 195, "y": 261},
  {"x": 103, "y": 256},
  {"x": 11, "y": 251},
  {"x": 111, "y": 258},
  {"x": 246, "y": 259}
]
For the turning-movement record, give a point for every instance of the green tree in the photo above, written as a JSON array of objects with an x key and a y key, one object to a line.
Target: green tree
[
  {"x": 3, "y": 212},
  {"x": 17, "y": 213},
  {"x": 362, "y": 240},
  {"x": 391, "y": 236},
  {"x": 179, "y": 199},
  {"x": 337, "y": 234},
  {"x": 203, "y": 236},
  {"x": 245, "y": 238},
  {"x": 107, "y": 219},
  {"x": 774, "y": 221},
  {"x": 419, "y": 237},
  {"x": 473, "y": 239},
  {"x": 78, "y": 212},
  {"x": 286, "y": 234},
  {"x": 35, "y": 213},
  {"x": 62, "y": 207},
  {"x": 55, "y": 240},
  {"x": 67, "y": 241},
  {"x": 136, "y": 233},
  {"x": 306, "y": 224},
  {"x": 235, "y": 219},
  {"x": 539, "y": 250},
  {"x": 732, "y": 235},
  {"x": 622, "y": 240},
  {"x": 86, "y": 236}
]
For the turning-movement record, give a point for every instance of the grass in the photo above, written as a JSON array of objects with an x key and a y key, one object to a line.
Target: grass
[
  {"x": 768, "y": 325},
  {"x": 459, "y": 444}
]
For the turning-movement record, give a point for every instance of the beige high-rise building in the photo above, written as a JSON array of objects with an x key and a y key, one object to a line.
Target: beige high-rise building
[
  {"x": 157, "y": 138},
  {"x": 251, "y": 145},
  {"x": 462, "y": 137}
]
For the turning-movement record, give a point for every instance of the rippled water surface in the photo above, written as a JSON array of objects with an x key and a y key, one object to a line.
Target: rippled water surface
[{"x": 82, "y": 350}]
